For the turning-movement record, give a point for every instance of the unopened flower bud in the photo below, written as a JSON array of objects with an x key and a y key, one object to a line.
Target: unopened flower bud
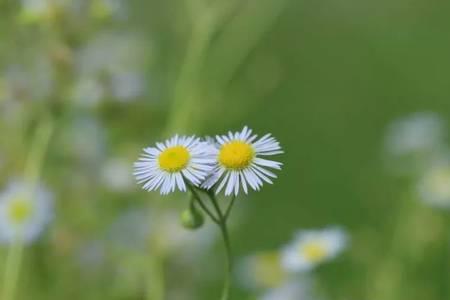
[{"x": 192, "y": 218}]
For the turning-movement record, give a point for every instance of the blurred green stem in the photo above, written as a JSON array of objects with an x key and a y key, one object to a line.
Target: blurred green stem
[
  {"x": 241, "y": 36},
  {"x": 205, "y": 20},
  {"x": 38, "y": 149},
  {"x": 33, "y": 168},
  {"x": 202, "y": 205},
  {"x": 12, "y": 269},
  {"x": 220, "y": 218},
  {"x": 157, "y": 284}
]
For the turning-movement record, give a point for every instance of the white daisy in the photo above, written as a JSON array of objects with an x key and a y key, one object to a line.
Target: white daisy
[
  {"x": 313, "y": 247},
  {"x": 262, "y": 270},
  {"x": 414, "y": 141},
  {"x": 24, "y": 212},
  {"x": 434, "y": 187},
  {"x": 116, "y": 175},
  {"x": 239, "y": 162},
  {"x": 111, "y": 67},
  {"x": 168, "y": 165},
  {"x": 419, "y": 132}
]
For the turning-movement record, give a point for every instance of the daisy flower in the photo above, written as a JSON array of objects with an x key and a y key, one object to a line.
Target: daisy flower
[
  {"x": 414, "y": 141},
  {"x": 24, "y": 212},
  {"x": 262, "y": 270},
  {"x": 116, "y": 175},
  {"x": 239, "y": 163},
  {"x": 168, "y": 165},
  {"x": 417, "y": 133},
  {"x": 313, "y": 247}
]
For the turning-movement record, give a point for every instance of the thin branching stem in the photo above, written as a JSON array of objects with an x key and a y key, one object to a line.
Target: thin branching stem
[
  {"x": 226, "y": 238},
  {"x": 230, "y": 207},
  {"x": 205, "y": 208}
]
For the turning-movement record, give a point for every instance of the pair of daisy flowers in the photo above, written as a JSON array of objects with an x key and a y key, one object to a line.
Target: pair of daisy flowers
[{"x": 230, "y": 162}]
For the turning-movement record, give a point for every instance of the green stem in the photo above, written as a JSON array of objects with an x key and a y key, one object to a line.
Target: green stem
[
  {"x": 12, "y": 269},
  {"x": 32, "y": 170},
  {"x": 39, "y": 147},
  {"x": 228, "y": 263},
  {"x": 230, "y": 206},
  {"x": 157, "y": 284},
  {"x": 203, "y": 206},
  {"x": 226, "y": 239}
]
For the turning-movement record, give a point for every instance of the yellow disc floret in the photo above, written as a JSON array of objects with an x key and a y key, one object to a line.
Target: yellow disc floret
[
  {"x": 174, "y": 159},
  {"x": 20, "y": 210},
  {"x": 236, "y": 155},
  {"x": 314, "y": 252}
]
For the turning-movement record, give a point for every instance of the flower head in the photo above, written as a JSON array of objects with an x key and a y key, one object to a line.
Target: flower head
[
  {"x": 168, "y": 165},
  {"x": 313, "y": 247},
  {"x": 419, "y": 132},
  {"x": 116, "y": 175},
  {"x": 414, "y": 141},
  {"x": 24, "y": 212},
  {"x": 262, "y": 270},
  {"x": 239, "y": 163}
]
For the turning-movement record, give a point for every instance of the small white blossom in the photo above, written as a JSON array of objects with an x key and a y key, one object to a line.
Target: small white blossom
[
  {"x": 239, "y": 162},
  {"x": 313, "y": 247},
  {"x": 24, "y": 212},
  {"x": 262, "y": 270},
  {"x": 168, "y": 165}
]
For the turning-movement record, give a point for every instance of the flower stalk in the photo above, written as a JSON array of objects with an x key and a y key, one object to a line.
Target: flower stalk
[
  {"x": 220, "y": 218},
  {"x": 12, "y": 269},
  {"x": 32, "y": 172}
]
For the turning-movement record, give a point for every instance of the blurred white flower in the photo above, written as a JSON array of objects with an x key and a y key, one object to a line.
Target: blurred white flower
[
  {"x": 117, "y": 175},
  {"x": 88, "y": 92},
  {"x": 170, "y": 237},
  {"x": 130, "y": 233},
  {"x": 85, "y": 139},
  {"x": 30, "y": 82},
  {"x": 291, "y": 290},
  {"x": 92, "y": 255},
  {"x": 35, "y": 10},
  {"x": 169, "y": 165},
  {"x": 127, "y": 86},
  {"x": 239, "y": 162},
  {"x": 313, "y": 247},
  {"x": 24, "y": 212},
  {"x": 116, "y": 62},
  {"x": 137, "y": 232},
  {"x": 411, "y": 142},
  {"x": 261, "y": 271},
  {"x": 434, "y": 187}
]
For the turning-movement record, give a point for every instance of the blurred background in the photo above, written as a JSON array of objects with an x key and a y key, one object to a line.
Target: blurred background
[{"x": 356, "y": 92}]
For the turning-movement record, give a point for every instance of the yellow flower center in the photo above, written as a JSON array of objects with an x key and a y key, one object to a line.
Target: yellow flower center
[
  {"x": 174, "y": 159},
  {"x": 20, "y": 210},
  {"x": 314, "y": 252},
  {"x": 236, "y": 155}
]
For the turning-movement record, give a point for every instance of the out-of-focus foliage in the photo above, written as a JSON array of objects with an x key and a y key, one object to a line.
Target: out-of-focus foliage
[{"x": 356, "y": 92}]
